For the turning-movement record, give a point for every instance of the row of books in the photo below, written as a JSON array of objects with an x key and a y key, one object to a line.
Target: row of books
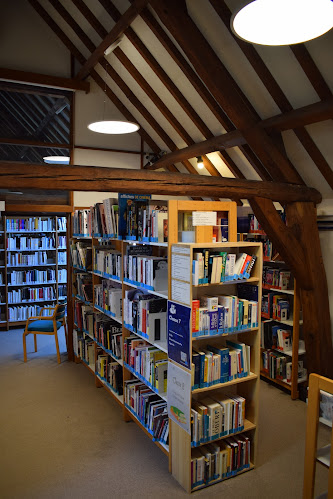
[
  {"x": 277, "y": 365},
  {"x": 219, "y": 461},
  {"x": 150, "y": 272},
  {"x": 23, "y": 312},
  {"x": 62, "y": 224},
  {"x": 84, "y": 348},
  {"x": 214, "y": 365},
  {"x": 32, "y": 224},
  {"x": 276, "y": 306},
  {"x": 276, "y": 278},
  {"x": 30, "y": 243},
  {"x": 142, "y": 219},
  {"x": 110, "y": 372},
  {"x": 108, "y": 333},
  {"x": 109, "y": 298},
  {"x": 103, "y": 218},
  {"x": 62, "y": 258},
  {"x": 83, "y": 287},
  {"x": 31, "y": 276},
  {"x": 146, "y": 314},
  {"x": 27, "y": 294},
  {"x": 222, "y": 314},
  {"x": 62, "y": 291},
  {"x": 149, "y": 409},
  {"x": 38, "y": 258},
  {"x": 108, "y": 261},
  {"x": 216, "y": 417},
  {"x": 211, "y": 266},
  {"x": 275, "y": 337},
  {"x": 62, "y": 275},
  {"x": 62, "y": 242},
  {"x": 147, "y": 361},
  {"x": 131, "y": 216},
  {"x": 81, "y": 254}
]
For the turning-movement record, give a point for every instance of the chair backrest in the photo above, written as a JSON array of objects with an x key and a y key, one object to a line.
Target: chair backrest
[{"x": 61, "y": 311}]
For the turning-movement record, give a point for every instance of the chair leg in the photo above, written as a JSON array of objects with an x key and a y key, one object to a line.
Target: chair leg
[
  {"x": 57, "y": 347},
  {"x": 66, "y": 333},
  {"x": 25, "y": 345},
  {"x": 35, "y": 342}
]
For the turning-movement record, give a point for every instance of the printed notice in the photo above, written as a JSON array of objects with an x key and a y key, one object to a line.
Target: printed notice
[
  {"x": 179, "y": 333},
  {"x": 185, "y": 250},
  {"x": 179, "y": 396},
  {"x": 181, "y": 267},
  {"x": 180, "y": 291},
  {"x": 204, "y": 218}
]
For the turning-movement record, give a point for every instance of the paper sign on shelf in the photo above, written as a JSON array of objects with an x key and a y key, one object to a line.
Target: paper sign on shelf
[
  {"x": 181, "y": 291},
  {"x": 179, "y": 396},
  {"x": 179, "y": 333},
  {"x": 204, "y": 218},
  {"x": 180, "y": 267}
]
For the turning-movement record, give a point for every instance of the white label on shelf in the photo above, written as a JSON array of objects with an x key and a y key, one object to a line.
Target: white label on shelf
[
  {"x": 185, "y": 250},
  {"x": 204, "y": 218},
  {"x": 180, "y": 291},
  {"x": 180, "y": 267},
  {"x": 179, "y": 396}
]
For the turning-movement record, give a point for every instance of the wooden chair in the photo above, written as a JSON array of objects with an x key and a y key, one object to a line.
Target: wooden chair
[{"x": 46, "y": 325}]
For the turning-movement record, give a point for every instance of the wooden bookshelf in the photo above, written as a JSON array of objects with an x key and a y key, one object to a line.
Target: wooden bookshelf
[
  {"x": 161, "y": 248},
  {"x": 17, "y": 259},
  {"x": 247, "y": 387}
]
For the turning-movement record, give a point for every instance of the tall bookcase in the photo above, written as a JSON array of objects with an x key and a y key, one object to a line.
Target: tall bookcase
[
  {"x": 295, "y": 355},
  {"x": 33, "y": 266},
  {"x": 182, "y": 445},
  {"x": 90, "y": 350}
]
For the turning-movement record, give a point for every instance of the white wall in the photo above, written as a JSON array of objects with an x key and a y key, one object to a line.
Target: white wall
[{"x": 31, "y": 46}]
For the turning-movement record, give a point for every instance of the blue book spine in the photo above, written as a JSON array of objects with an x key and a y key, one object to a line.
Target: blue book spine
[
  {"x": 225, "y": 360},
  {"x": 202, "y": 369},
  {"x": 221, "y": 317}
]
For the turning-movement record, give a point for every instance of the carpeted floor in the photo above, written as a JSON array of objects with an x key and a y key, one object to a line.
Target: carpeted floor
[{"x": 61, "y": 437}]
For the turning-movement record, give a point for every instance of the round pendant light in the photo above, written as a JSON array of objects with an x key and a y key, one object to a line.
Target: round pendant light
[
  {"x": 113, "y": 127},
  {"x": 282, "y": 22},
  {"x": 63, "y": 160}
]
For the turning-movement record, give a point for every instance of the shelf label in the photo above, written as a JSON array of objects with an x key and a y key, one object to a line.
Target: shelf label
[
  {"x": 179, "y": 396},
  {"x": 180, "y": 267},
  {"x": 179, "y": 333},
  {"x": 180, "y": 291},
  {"x": 204, "y": 218}
]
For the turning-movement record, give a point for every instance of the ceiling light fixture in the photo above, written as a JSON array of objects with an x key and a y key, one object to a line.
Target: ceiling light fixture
[
  {"x": 112, "y": 127},
  {"x": 63, "y": 160},
  {"x": 114, "y": 45},
  {"x": 282, "y": 22},
  {"x": 200, "y": 164}
]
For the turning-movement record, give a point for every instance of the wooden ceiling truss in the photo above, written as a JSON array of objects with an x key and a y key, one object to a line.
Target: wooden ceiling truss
[{"x": 259, "y": 140}]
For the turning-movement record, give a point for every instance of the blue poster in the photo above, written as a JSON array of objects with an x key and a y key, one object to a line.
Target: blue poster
[{"x": 179, "y": 333}]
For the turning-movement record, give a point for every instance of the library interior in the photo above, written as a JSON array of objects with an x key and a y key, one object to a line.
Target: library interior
[{"x": 200, "y": 309}]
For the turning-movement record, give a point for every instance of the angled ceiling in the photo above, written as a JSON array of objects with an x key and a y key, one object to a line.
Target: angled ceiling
[{"x": 181, "y": 74}]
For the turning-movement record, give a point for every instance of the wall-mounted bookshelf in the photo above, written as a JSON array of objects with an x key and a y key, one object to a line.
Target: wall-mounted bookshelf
[{"x": 33, "y": 256}]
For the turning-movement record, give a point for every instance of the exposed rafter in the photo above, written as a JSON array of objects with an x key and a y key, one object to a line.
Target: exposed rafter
[
  {"x": 276, "y": 92},
  {"x": 123, "y": 23},
  {"x": 93, "y": 178},
  {"x": 13, "y": 75}
]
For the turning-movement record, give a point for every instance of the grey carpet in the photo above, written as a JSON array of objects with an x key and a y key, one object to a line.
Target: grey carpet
[{"x": 61, "y": 437}]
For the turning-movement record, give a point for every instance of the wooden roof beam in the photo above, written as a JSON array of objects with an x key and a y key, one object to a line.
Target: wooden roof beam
[
  {"x": 27, "y": 77},
  {"x": 209, "y": 67},
  {"x": 33, "y": 143},
  {"x": 276, "y": 92},
  {"x": 132, "y": 12},
  {"x": 93, "y": 178},
  {"x": 77, "y": 54},
  {"x": 307, "y": 114}
]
